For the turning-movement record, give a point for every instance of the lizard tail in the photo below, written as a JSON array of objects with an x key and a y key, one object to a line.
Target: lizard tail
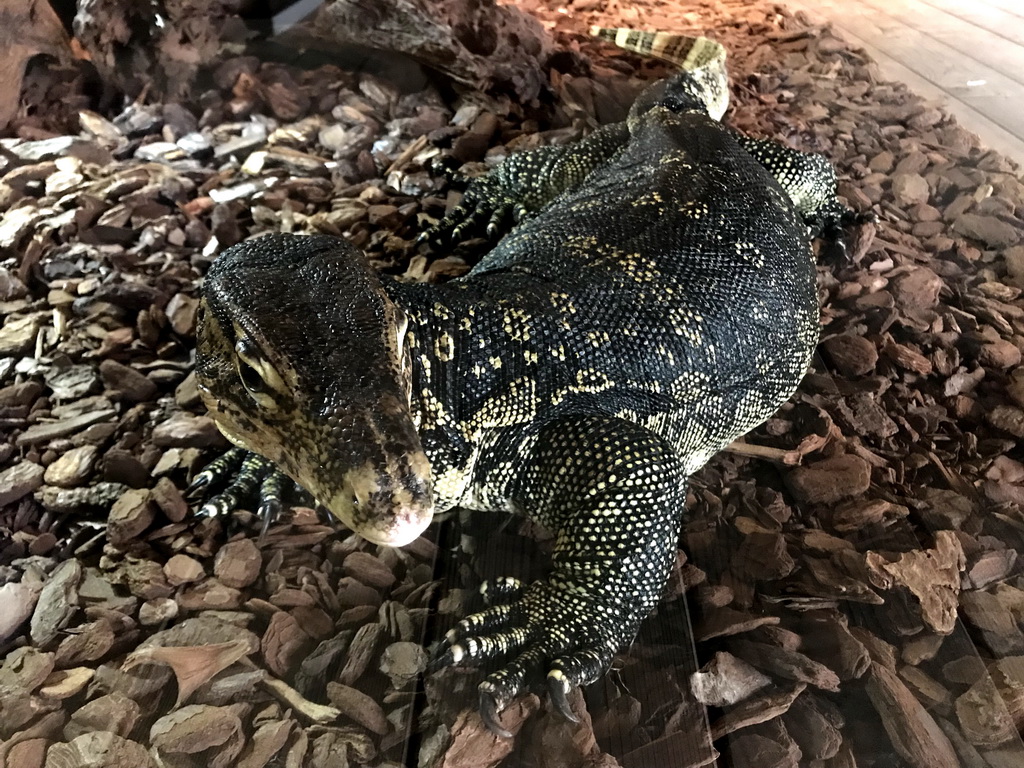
[{"x": 702, "y": 82}]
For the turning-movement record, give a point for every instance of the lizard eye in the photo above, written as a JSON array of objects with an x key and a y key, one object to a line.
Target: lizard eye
[
  {"x": 251, "y": 378},
  {"x": 250, "y": 366}
]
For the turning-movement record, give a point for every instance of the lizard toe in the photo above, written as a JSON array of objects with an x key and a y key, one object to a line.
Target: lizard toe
[
  {"x": 558, "y": 690},
  {"x": 502, "y": 590},
  {"x": 516, "y": 677},
  {"x": 489, "y": 714},
  {"x": 217, "y": 471},
  {"x": 581, "y": 667},
  {"x": 253, "y": 482}
]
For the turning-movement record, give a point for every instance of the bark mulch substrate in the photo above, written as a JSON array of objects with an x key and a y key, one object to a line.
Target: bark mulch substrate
[{"x": 827, "y": 559}]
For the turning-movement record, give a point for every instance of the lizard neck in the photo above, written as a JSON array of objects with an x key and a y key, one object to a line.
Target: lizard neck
[
  {"x": 485, "y": 358},
  {"x": 443, "y": 351}
]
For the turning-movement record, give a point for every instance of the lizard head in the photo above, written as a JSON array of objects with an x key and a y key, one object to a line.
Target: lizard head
[{"x": 301, "y": 358}]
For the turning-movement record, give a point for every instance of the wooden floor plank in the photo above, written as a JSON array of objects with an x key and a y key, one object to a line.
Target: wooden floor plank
[
  {"x": 998, "y": 21},
  {"x": 905, "y": 65},
  {"x": 989, "y": 92},
  {"x": 930, "y": 58},
  {"x": 1012, "y": 7},
  {"x": 1002, "y": 53}
]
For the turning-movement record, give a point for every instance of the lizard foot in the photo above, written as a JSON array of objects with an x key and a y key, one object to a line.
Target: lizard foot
[
  {"x": 566, "y": 635},
  {"x": 482, "y": 210},
  {"x": 829, "y": 226},
  {"x": 250, "y": 477}
]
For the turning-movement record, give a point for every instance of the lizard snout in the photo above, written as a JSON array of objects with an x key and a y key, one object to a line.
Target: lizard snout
[{"x": 390, "y": 505}]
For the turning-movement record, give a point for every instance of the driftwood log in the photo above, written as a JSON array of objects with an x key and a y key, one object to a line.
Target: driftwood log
[
  {"x": 475, "y": 42},
  {"x": 163, "y": 48},
  {"x": 27, "y": 28},
  {"x": 160, "y": 47}
]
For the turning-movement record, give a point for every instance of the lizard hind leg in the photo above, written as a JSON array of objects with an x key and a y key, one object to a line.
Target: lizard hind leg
[{"x": 810, "y": 182}]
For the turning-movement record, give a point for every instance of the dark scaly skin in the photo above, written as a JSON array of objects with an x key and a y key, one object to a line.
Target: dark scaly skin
[{"x": 656, "y": 302}]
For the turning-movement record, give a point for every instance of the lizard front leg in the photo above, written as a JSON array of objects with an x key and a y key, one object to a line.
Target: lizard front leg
[
  {"x": 525, "y": 182},
  {"x": 614, "y": 492},
  {"x": 249, "y": 478}
]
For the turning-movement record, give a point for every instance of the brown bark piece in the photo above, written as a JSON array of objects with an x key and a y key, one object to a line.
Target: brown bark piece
[
  {"x": 360, "y": 653},
  {"x": 238, "y": 563},
  {"x": 358, "y": 706},
  {"x": 135, "y": 387},
  {"x": 763, "y": 556},
  {"x": 472, "y": 745},
  {"x": 725, "y": 621},
  {"x": 754, "y": 749},
  {"x": 266, "y": 742},
  {"x": 170, "y": 500},
  {"x": 726, "y": 680},
  {"x": 790, "y": 665},
  {"x": 24, "y": 670},
  {"x": 1008, "y": 418},
  {"x": 983, "y": 715},
  {"x": 992, "y": 566},
  {"x": 1008, "y": 675},
  {"x": 932, "y": 576},
  {"x": 208, "y": 595},
  {"x": 113, "y": 712},
  {"x": 182, "y": 569},
  {"x": 369, "y": 570},
  {"x": 759, "y": 709},
  {"x": 17, "y": 602},
  {"x": 132, "y": 513},
  {"x": 195, "y": 729},
  {"x": 852, "y": 355},
  {"x": 827, "y": 636},
  {"x": 914, "y": 734},
  {"x": 817, "y": 735},
  {"x": 92, "y": 642},
  {"x": 19, "y": 481},
  {"x": 990, "y": 230},
  {"x": 935, "y": 696},
  {"x": 998, "y": 625},
  {"x": 549, "y": 739},
  {"x": 57, "y": 603},
  {"x": 73, "y": 467},
  {"x": 65, "y": 683},
  {"x": 284, "y": 643},
  {"x": 830, "y": 480},
  {"x": 403, "y": 662},
  {"x": 30, "y": 753},
  {"x": 100, "y": 748}
]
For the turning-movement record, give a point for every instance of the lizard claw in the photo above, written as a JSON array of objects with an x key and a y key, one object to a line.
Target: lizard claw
[
  {"x": 443, "y": 656},
  {"x": 217, "y": 470},
  {"x": 195, "y": 488},
  {"x": 558, "y": 690},
  {"x": 489, "y": 714},
  {"x": 269, "y": 510}
]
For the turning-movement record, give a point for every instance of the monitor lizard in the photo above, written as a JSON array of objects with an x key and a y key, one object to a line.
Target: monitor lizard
[{"x": 652, "y": 298}]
